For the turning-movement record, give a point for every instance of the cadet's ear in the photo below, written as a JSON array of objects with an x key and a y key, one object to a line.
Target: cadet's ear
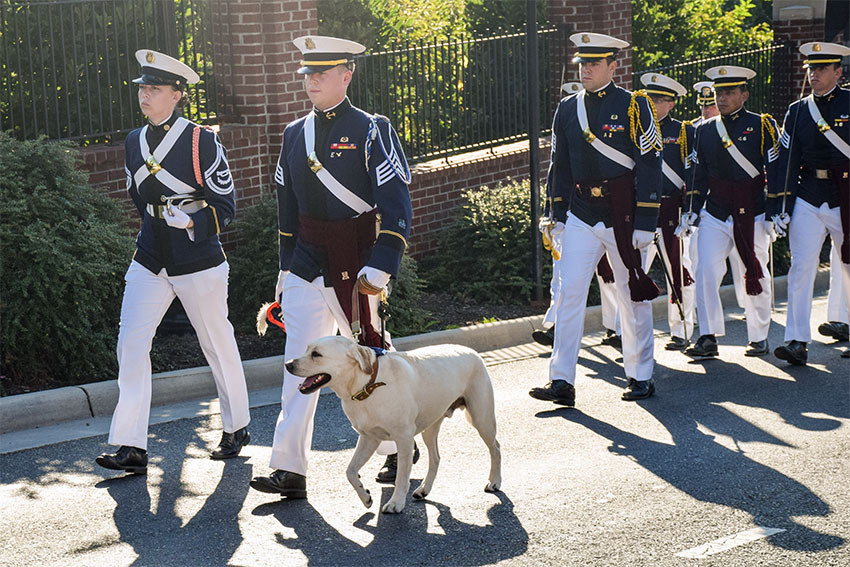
[{"x": 363, "y": 356}]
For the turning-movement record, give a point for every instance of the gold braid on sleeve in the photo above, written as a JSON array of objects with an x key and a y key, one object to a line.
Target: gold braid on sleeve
[
  {"x": 634, "y": 121},
  {"x": 683, "y": 142},
  {"x": 766, "y": 124}
]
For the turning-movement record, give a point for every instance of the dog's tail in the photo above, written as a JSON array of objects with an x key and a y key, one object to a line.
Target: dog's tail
[{"x": 262, "y": 323}]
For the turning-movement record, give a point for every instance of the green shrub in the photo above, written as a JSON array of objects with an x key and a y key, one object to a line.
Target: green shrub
[
  {"x": 64, "y": 249},
  {"x": 254, "y": 270},
  {"x": 485, "y": 251},
  {"x": 253, "y": 263}
]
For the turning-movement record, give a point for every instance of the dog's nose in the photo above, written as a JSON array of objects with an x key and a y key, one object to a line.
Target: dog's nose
[{"x": 289, "y": 366}]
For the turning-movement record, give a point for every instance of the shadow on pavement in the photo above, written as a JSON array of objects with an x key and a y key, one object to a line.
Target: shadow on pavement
[
  {"x": 471, "y": 544},
  {"x": 214, "y": 526},
  {"x": 706, "y": 470}
]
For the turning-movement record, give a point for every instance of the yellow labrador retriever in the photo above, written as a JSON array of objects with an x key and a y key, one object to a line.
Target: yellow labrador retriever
[{"x": 398, "y": 395}]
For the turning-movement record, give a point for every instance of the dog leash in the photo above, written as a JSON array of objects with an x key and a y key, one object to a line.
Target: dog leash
[{"x": 370, "y": 386}]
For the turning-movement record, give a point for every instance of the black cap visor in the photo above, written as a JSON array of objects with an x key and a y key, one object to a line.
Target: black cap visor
[{"x": 152, "y": 76}]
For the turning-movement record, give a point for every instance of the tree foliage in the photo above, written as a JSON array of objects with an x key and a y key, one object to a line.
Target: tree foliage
[{"x": 670, "y": 31}]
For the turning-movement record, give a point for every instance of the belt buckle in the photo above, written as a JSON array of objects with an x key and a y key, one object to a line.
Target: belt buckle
[
  {"x": 823, "y": 126},
  {"x": 596, "y": 191},
  {"x": 822, "y": 174},
  {"x": 313, "y": 163},
  {"x": 589, "y": 137},
  {"x": 727, "y": 142},
  {"x": 152, "y": 165}
]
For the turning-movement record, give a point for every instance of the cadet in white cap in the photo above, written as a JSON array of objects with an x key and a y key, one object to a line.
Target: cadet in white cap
[
  {"x": 341, "y": 171},
  {"x": 179, "y": 180},
  {"x": 678, "y": 139},
  {"x": 734, "y": 151},
  {"x": 708, "y": 109},
  {"x": 604, "y": 278},
  {"x": 813, "y": 199},
  {"x": 605, "y": 170}
]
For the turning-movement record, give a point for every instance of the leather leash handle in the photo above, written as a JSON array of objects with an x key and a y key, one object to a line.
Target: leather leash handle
[{"x": 355, "y": 314}]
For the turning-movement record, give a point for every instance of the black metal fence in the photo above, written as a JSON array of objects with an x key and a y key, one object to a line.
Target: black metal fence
[
  {"x": 66, "y": 66},
  {"x": 770, "y": 91},
  {"x": 459, "y": 95}
]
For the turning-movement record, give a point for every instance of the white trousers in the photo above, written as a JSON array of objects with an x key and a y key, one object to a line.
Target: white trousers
[
  {"x": 311, "y": 311},
  {"x": 678, "y": 328},
  {"x": 807, "y": 231},
  {"x": 715, "y": 243},
  {"x": 736, "y": 266},
  {"x": 147, "y": 297},
  {"x": 583, "y": 246},
  {"x": 607, "y": 299},
  {"x": 836, "y": 300},
  {"x": 610, "y": 306}
]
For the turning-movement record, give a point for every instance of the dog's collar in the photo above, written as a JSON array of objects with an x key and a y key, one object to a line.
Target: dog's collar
[{"x": 370, "y": 386}]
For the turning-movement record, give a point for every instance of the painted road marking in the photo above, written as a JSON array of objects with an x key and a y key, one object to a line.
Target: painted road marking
[{"x": 728, "y": 542}]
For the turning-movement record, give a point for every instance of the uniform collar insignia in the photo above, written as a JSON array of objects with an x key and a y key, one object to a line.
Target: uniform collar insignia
[
  {"x": 334, "y": 111},
  {"x": 165, "y": 126}
]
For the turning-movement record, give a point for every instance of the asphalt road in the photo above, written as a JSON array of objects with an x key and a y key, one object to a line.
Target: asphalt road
[{"x": 724, "y": 448}]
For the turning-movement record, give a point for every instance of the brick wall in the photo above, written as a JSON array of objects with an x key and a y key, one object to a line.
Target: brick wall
[
  {"x": 436, "y": 187},
  {"x": 610, "y": 17},
  {"x": 261, "y": 93},
  {"x": 796, "y": 32}
]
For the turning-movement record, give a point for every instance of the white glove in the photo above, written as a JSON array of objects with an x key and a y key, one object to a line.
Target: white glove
[
  {"x": 780, "y": 223},
  {"x": 176, "y": 218},
  {"x": 375, "y": 279},
  {"x": 557, "y": 229},
  {"x": 772, "y": 230},
  {"x": 642, "y": 238},
  {"x": 688, "y": 220},
  {"x": 278, "y": 290}
]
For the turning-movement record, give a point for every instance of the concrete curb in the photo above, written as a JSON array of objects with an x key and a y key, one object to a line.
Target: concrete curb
[{"x": 50, "y": 407}]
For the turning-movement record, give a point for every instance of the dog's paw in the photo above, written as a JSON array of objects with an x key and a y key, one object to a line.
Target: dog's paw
[
  {"x": 420, "y": 493},
  {"x": 492, "y": 487},
  {"x": 393, "y": 507},
  {"x": 367, "y": 499}
]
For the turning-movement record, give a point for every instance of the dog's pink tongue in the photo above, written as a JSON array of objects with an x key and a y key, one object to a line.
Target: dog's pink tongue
[{"x": 309, "y": 382}]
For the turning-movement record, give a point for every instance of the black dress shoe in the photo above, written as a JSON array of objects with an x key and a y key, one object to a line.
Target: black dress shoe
[
  {"x": 757, "y": 348},
  {"x": 639, "y": 389},
  {"x": 612, "y": 339},
  {"x": 231, "y": 444},
  {"x": 557, "y": 391},
  {"x": 705, "y": 347},
  {"x": 794, "y": 352},
  {"x": 130, "y": 459},
  {"x": 677, "y": 343},
  {"x": 846, "y": 353},
  {"x": 545, "y": 338},
  {"x": 388, "y": 472},
  {"x": 285, "y": 483},
  {"x": 835, "y": 329}
]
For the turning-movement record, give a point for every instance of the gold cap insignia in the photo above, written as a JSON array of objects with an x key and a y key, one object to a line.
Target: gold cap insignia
[
  {"x": 150, "y": 57},
  {"x": 585, "y": 38},
  {"x": 722, "y": 71},
  {"x": 816, "y": 47},
  {"x": 310, "y": 44},
  {"x": 654, "y": 78},
  {"x": 706, "y": 91}
]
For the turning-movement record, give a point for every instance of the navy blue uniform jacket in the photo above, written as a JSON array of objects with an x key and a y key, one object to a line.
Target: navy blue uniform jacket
[
  {"x": 811, "y": 150},
  {"x": 575, "y": 161},
  {"x": 158, "y": 245},
  {"x": 341, "y": 146}
]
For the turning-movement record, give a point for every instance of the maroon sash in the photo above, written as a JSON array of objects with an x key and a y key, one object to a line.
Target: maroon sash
[
  {"x": 347, "y": 243},
  {"x": 739, "y": 197},
  {"x": 621, "y": 206},
  {"x": 604, "y": 271},
  {"x": 668, "y": 220}
]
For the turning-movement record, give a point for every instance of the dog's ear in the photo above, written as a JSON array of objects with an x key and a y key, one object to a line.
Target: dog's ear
[{"x": 363, "y": 356}]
